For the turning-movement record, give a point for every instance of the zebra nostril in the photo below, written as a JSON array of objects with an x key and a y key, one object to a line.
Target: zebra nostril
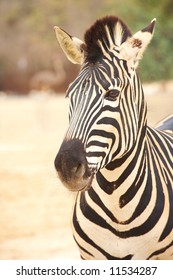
[{"x": 79, "y": 170}]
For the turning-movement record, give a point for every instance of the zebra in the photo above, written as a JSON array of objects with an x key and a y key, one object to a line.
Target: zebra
[{"x": 118, "y": 166}]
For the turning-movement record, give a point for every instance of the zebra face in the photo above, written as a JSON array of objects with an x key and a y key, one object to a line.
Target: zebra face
[
  {"x": 105, "y": 113},
  {"x": 98, "y": 124}
]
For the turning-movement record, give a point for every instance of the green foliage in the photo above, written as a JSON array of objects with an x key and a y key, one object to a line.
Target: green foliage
[{"x": 157, "y": 63}]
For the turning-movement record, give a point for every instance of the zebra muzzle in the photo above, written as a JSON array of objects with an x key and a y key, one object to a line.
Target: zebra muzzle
[
  {"x": 72, "y": 166},
  {"x": 79, "y": 170}
]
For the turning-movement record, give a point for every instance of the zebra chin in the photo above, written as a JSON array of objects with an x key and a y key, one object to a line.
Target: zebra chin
[
  {"x": 72, "y": 166},
  {"x": 80, "y": 185}
]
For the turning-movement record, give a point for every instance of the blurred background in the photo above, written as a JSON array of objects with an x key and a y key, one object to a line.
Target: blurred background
[
  {"x": 34, "y": 74},
  {"x": 29, "y": 53}
]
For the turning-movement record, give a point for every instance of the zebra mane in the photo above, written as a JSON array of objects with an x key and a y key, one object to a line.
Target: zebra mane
[{"x": 106, "y": 31}]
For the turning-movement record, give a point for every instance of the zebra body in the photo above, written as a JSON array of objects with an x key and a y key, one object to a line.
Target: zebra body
[{"x": 120, "y": 168}]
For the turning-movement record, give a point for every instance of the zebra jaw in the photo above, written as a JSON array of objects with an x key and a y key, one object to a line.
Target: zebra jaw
[{"x": 72, "y": 166}]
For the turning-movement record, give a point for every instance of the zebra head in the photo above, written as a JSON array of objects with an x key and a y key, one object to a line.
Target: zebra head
[{"x": 106, "y": 109}]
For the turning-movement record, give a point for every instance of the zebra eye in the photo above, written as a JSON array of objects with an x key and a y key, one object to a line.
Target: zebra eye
[{"x": 112, "y": 94}]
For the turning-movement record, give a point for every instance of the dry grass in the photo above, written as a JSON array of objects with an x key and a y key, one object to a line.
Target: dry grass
[{"x": 35, "y": 209}]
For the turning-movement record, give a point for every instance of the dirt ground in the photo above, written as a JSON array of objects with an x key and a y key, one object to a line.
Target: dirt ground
[{"x": 35, "y": 208}]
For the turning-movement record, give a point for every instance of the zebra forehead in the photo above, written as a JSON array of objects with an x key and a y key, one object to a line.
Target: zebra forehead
[
  {"x": 107, "y": 31},
  {"x": 92, "y": 76}
]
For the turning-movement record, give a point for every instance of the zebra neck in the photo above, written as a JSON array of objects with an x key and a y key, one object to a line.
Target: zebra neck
[{"x": 118, "y": 187}]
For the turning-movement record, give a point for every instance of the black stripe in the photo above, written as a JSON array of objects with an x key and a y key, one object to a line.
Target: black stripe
[
  {"x": 96, "y": 154},
  {"x": 169, "y": 224},
  {"x": 104, "y": 184},
  {"x": 105, "y": 134},
  {"x": 97, "y": 143}
]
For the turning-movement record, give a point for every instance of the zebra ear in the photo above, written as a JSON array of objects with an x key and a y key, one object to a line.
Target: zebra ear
[
  {"x": 71, "y": 46},
  {"x": 133, "y": 48}
]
